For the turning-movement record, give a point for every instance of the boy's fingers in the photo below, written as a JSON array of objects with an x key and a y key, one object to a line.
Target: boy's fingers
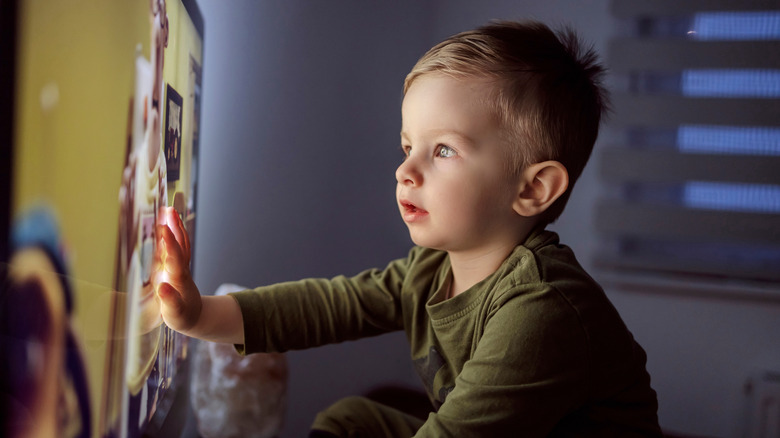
[
  {"x": 158, "y": 279},
  {"x": 182, "y": 232},
  {"x": 174, "y": 267},
  {"x": 175, "y": 225},
  {"x": 187, "y": 246},
  {"x": 171, "y": 244},
  {"x": 175, "y": 262}
]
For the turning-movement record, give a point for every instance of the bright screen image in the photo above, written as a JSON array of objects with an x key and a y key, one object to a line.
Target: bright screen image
[{"x": 104, "y": 132}]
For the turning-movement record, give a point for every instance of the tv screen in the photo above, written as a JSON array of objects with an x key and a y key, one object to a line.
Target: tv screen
[{"x": 99, "y": 129}]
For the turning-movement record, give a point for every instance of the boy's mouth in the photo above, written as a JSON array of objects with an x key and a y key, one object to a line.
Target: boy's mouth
[
  {"x": 408, "y": 206},
  {"x": 411, "y": 212}
]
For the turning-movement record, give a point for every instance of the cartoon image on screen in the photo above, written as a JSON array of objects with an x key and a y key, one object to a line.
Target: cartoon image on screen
[
  {"x": 153, "y": 165},
  {"x": 173, "y": 133},
  {"x": 43, "y": 363},
  {"x": 85, "y": 351}
]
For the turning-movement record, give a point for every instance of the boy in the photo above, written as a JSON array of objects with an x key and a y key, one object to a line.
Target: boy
[{"x": 509, "y": 335}]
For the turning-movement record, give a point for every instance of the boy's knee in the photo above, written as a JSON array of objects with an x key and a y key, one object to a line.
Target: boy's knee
[
  {"x": 357, "y": 416},
  {"x": 347, "y": 409},
  {"x": 344, "y": 417},
  {"x": 351, "y": 403}
]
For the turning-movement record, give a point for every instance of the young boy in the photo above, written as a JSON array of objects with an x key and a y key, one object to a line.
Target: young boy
[{"x": 510, "y": 336}]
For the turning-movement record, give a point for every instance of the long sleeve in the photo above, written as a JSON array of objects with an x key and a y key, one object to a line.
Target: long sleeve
[{"x": 313, "y": 312}]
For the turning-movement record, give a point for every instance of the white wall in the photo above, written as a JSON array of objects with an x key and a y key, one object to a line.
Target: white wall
[{"x": 299, "y": 143}]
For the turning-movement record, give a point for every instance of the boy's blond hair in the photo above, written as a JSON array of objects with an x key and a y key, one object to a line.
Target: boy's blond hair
[{"x": 548, "y": 93}]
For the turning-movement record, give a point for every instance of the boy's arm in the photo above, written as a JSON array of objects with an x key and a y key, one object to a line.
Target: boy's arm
[
  {"x": 220, "y": 321},
  {"x": 317, "y": 311},
  {"x": 211, "y": 318}
]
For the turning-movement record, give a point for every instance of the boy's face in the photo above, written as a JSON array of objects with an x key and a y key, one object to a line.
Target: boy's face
[{"x": 454, "y": 190}]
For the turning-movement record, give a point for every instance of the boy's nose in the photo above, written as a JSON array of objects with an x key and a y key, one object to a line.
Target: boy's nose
[{"x": 408, "y": 173}]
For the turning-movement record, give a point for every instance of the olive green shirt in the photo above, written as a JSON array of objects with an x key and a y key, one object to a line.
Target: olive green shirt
[{"x": 535, "y": 349}]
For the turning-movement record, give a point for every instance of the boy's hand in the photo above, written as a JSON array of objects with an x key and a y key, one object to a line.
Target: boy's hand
[{"x": 180, "y": 301}]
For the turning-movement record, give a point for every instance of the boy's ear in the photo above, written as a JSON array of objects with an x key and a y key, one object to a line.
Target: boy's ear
[{"x": 541, "y": 184}]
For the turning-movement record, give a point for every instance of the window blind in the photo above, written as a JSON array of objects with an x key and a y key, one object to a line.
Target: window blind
[{"x": 691, "y": 167}]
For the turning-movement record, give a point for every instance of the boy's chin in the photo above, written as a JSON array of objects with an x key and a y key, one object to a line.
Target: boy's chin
[{"x": 427, "y": 243}]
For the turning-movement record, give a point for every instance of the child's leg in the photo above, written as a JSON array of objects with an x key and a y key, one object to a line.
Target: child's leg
[{"x": 360, "y": 417}]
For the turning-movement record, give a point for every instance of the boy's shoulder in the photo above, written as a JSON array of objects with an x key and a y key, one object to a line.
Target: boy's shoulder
[
  {"x": 543, "y": 275},
  {"x": 553, "y": 282},
  {"x": 554, "y": 262}
]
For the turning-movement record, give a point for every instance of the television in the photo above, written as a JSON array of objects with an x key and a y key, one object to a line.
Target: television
[{"x": 99, "y": 129}]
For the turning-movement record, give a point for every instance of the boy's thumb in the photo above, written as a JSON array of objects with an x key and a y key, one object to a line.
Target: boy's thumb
[{"x": 172, "y": 304}]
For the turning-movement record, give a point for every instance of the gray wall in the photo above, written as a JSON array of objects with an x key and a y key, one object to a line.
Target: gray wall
[
  {"x": 299, "y": 144},
  {"x": 300, "y": 140}
]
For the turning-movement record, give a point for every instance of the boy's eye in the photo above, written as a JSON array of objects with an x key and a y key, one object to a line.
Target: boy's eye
[
  {"x": 443, "y": 151},
  {"x": 405, "y": 151}
]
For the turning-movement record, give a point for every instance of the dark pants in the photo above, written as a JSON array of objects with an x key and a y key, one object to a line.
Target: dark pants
[{"x": 361, "y": 417}]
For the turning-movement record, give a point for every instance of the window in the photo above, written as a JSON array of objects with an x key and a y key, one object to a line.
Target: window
[{"x": 691, "y": 168}]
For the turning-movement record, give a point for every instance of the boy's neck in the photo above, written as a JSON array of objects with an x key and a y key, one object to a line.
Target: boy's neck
[{"x": 469, "y": 268}]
